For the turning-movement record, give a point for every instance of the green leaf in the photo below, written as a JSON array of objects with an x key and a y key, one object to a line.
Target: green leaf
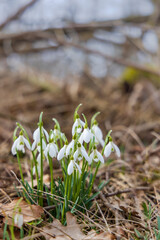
[
  {"x": 138, "y": 233},
  {"x": 103, "y": 184},
  {"x": 158, "y": 222},
  {"x": 93, "y": 196}
]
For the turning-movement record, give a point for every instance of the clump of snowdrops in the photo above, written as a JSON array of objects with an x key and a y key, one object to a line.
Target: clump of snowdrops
[{"x": 80, "y": 160}]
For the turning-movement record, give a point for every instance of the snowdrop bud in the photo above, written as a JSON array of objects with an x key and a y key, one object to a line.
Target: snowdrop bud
[
  {"x": 81, "y": 153},
  {"x": 73, "y": 165},
  {"x": 96, "y": 156},
  {"x": 77, "y": 126},
  {"x": 111, "y": 147},
  {"x": 36, "y": 134},
  {"x": 62, "y": 152},
  {"x": 19, "y": 144},
  {"x": 70, "y": 167},
  {"x": 70, "y": 147},
  {"x": 86, "y": 136},
  {"x": 51, "y": 150},
  {"x": 98, "y": 133},
  {"x": 18, "y": 220}
]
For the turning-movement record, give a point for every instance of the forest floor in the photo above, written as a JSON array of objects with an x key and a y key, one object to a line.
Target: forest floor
[{"x": 128, "y": 206}]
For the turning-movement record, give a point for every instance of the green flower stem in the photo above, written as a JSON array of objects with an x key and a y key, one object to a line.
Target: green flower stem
[
  {"x": 65, "y": 198},
  {"x": 51, "y": 173},
  {"x": 32, "y": 172},
  {"x": 20, "y": 168},
  {"x": 33, "y": 155},
  {"x": 74, "y": 184},
  {"x": 12, "y": 231},
  {"x": 80, "y": 179},
  {"x": 94, "y": 176},
  {"x": 41, "y": 152},
  {"x": 37, "y": 176}
]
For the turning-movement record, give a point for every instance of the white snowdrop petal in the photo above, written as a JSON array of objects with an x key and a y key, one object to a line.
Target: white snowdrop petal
[
  {"x": 61, "y": 153},
  {"x": 100, "y": 157},
  {"x": 27, "y": 143},
  {"x": 33, "y": 145},
  {"x": 117, "y": 150},
  {"x": 14, "y": 146},
  {"x": 102, "y": 142},
  {"x": 86, "y": 136},
  {"x": 70, "y": 168},
  {"x": 85, "y": 155},
  {"x": 36, "y": 135},
  {"x": 108, "y": 149},
  {"x": 69, "y": 147},
  {"x": 20, "y": 220},
  {"x": 52, "y": 151},
  {"x": 46, "y": 134},
  {"x": 98, "y": 132},
  {"x": 81, "y": 122},
  {"x": 43, "y": 144},
  {"x": 78, "y": 167},
  {"x": 75, "y": 124},
  {"x": 75, "y": 155}
]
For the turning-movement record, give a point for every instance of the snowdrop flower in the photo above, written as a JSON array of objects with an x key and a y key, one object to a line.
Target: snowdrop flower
[
  {"x": 51, "y": 150},
  {"x": 80, "y": 153},
  {"x": 38, "y": 165},
  {"x": 98, "y": 134},
  {"x": 72, "y": 165},
  {"x": 19, "y": 143},
  {"x": 86, "y": 136},
  {"x": 62, "y": 152},
  {"x": 111, "y": 147},
  {"x": 18, "y": 220},
  {"x": 35, "y": 143},
  {"x": 70, "y": 147},
  {"x": 77, "y": 126},
  {"x": 57, "y": 134},
  {"x": 36, "y": 135},
  {"x": 96, "y": 156}
]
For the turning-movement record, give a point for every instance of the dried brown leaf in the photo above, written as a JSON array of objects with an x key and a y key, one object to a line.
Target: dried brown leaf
[
  {"x": 30, "y": 212},
  {"x": 57, "y": 231}
]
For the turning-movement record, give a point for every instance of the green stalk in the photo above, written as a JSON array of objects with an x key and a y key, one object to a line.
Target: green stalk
[
  {"x": 51, "y": 173},
  {"x": 32, "y": 172},
  {"x": 94, "y": 176},
  {"x": 20, "y": 168},
  {"x": 65, "y": 196},
  {"x": 34, "y": 159},
  {"x": 41, "y": 152}
]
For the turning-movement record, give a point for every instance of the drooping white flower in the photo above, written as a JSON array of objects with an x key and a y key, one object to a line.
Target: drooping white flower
[
  {"x": 38, "y": 165},
  {"x": 70, "y": 147},
  {"x": 96, "y": 156},
  {"x": 86, "y": 136},
  {"x": 35, "y": 143},
  {"x": 36, "y": 135},
  {"x": 51, "y": 150},
  {"x": 19, "y": 144},
  {"x": 62, "y": 152},
  {"x": 57, "y": 134},
  {"x": 72, "y": 165},
  {"x": 80, "y": 153},
  {"x": 18, "y": 219},
  {"x": 111, "y": 147},
  {"x": 77, "y": 126},
  {"x": 98, "y": 134}
]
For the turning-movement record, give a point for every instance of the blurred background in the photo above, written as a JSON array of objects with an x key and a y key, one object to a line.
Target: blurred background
[{"x": 55, "y": 54}]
